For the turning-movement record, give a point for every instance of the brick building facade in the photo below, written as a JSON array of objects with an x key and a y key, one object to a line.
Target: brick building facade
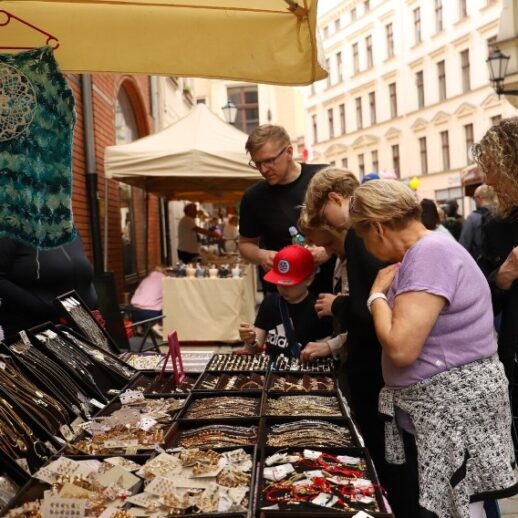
[{"x": 146, "y": 255}]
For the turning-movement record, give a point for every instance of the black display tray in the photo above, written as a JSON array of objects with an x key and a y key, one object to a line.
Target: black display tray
[
  {"x": 214, "y": 366},
  {"x": 310, "y": 509},
  {"x": 195, "y": 396},
  {"x": 225, "y": 376},
  {"x": 106, "y": 343},
  {"x": 148, "y": 380},
  {"x": 343, "y": 422},
  {"x": 308, "y": 377},
  {"x": 266, "y": 397},
  {"x": 184, "y": 424}
]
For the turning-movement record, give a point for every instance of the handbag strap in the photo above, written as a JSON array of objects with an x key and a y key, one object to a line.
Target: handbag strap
[{"x": 294, "y": 345}]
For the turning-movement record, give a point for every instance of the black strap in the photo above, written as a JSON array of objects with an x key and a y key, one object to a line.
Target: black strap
[{"x": 294, "y": 345}]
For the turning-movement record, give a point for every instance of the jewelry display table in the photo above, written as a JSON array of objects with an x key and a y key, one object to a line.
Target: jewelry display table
[{"x": 209, "y": 309}]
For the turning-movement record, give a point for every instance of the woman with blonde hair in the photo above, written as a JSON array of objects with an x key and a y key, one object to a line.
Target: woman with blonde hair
[{"x": 445, "y": 388}]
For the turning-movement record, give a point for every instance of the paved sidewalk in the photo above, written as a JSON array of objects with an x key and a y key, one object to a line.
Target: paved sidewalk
[{"x": 509, "y": 507}]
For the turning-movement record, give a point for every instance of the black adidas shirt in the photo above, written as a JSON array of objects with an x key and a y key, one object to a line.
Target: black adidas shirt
[{"x": 308, "y": 327}]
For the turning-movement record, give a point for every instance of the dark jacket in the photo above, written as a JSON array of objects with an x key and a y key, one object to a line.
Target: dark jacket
[{"x": 498, "y": 239}]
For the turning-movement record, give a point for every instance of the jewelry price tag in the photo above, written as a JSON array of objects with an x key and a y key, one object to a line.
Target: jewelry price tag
[
  {"x": 311, "y": 454},
  {"x": 56, "y": 507},
  {"x": 50, "y": 333},
  {"x": 67, "y": 432},
  {"x": 350, "y": 461},
  {"x": 127, "y": 443},
  {"x": 147, "y": 423},
  {"x": 278, "y": 472},
  {"x": 131, "y": 396},
  {"x": 362, "y": 514},
  {"x": 118, "y": 476},
  {"x": 97, "y": 404}
]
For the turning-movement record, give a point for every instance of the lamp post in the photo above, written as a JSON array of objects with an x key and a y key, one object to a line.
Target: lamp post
[
  {"x": 230, "y": 112},
  {"x": 497, "y": 64}
]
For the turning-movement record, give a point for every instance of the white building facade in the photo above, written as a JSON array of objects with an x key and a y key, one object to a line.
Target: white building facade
[{"x": 408, "y": 91}]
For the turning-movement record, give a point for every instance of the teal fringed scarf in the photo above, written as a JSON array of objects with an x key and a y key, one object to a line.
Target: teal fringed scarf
[{"x": 36, "y": 130}]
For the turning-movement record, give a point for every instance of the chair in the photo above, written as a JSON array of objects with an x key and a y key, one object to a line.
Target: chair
[{"x": 129, "y": 311}]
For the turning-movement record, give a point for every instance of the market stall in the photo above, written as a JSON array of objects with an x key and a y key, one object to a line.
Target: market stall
[{"x": 209, "y": 309}]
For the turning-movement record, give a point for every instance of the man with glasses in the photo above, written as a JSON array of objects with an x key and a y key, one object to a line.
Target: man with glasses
[{"x": 270, "y": 207}]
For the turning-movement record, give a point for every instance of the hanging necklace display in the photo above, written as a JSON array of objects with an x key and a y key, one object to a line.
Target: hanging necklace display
[
  {"x": 36, "y": 124},
  {"x": 106, "y": 359},
  {"x": 85, "y": 321}
]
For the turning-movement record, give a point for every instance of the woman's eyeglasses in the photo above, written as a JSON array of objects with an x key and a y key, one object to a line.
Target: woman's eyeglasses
[{"x": 257, "y": 164}]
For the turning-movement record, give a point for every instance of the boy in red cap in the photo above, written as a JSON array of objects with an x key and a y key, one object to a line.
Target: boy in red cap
[{"x": 287, "y": 321}]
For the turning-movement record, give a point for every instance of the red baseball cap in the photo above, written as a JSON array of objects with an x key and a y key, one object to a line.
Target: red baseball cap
[{"x": 291, "y": 265}]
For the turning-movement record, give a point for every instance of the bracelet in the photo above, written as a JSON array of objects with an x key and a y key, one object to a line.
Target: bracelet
[{"x": 373, "y": 297}]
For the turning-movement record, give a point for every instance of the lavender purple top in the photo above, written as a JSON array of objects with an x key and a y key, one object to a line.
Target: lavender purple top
[{"x": 463, "y": 332}]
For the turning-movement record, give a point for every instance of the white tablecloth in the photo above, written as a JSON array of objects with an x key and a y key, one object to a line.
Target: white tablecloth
[{"x": 209, "y": 309}]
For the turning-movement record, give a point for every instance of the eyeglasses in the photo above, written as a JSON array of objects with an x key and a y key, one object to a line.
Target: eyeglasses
[{"x": 257, "y": 164}]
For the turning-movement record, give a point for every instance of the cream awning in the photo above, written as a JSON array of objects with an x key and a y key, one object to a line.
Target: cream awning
[
  {"x": 198, "y": 157},
  {"x": 250, "y": 40}
]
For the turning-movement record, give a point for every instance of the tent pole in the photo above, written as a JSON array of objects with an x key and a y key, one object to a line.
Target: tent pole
[{"x": 91, "y": 173}]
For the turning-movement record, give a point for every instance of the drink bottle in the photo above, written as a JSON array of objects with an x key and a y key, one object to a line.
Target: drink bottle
[{"x": 296, "y": 237}]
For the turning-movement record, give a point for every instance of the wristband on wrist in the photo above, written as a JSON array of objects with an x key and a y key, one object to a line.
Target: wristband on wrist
[{"x": 373, "y": 297}]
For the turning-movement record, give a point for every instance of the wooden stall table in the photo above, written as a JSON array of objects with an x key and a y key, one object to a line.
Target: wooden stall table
[{"x": 209, "y": 309}]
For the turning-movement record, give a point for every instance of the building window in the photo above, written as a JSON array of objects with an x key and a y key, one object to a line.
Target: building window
[
  {"x": 353, "y": 14},
  {"x": 495, "y": 120},
  {"x": 326, "y": 31},
  {"x": 393, "y": 100},
  {"x": 375, "y": 162},
  {"x": 372, "y": 105},
  {"x": 464, "y": 63},
  {"x": 356, "y": 58},
  {"x": 395, "y": 159},
  {"x": 359, "y": 115},
  {"x": 424, "y": 155},
  {"x": 468, "y": 136},
  {"x": 366, "y": 6},
  {"x": 441, "y": 76},
  {"x": 315, "y": 128},
  {"x": 368, "y": 48},
  {"x": 341, "y": 109},
  {"x": 417, "y": 25},
  {"x": 389, "y": 33},
  {"x": 419, "y": 82},
  {"x": 246, "y": 100},
  {"x": 337, "y": 25},
  {"x": 328, "y": 68},
  {"x": 463, "y": 9},
  {"x": 445, "y": 148},
  {"x": 345, "y": 163},
  {"x": 361, "y": 165},
  {"x": 339, "y": 75},
  {"x": 332, "y": 163},
  {"x": 331, "y": 122},
  {"x": 438, "y": 16}
]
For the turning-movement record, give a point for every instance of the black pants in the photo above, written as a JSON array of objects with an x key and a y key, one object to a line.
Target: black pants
[{"x": 399, "y": 481}]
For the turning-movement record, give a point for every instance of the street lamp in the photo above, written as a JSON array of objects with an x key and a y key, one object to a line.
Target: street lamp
[
  {"x": 497, "y": 64},
  {"x": 230, "y": 112}
]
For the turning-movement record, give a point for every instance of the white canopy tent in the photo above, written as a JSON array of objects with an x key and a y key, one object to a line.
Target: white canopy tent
[{"x": 200, "y": 157}]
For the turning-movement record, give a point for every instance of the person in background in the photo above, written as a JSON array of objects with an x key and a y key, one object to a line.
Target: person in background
[
  {"x": 147, "y": 298},
  {"x": 271, "y": 206},
  {"x": 31, "y": 279},
  {"x": 231, "y": 234},
  {"x": 445, "y": 389},
  {"x": 326, "y": 204},
  {"x": 430, "y": 217},
  {"x": 497, "y": 157},
  {"x": 453, "y": 221},
  {"x": 292, "y": 272},
  {"x": 188, "y": 230},
  {"x": 471, "y": 235}
]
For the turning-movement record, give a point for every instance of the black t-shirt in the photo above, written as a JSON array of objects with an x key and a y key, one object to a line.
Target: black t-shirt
[
  {"x": 308, "y": 327},
  {"x": 268, "y": 211}
]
